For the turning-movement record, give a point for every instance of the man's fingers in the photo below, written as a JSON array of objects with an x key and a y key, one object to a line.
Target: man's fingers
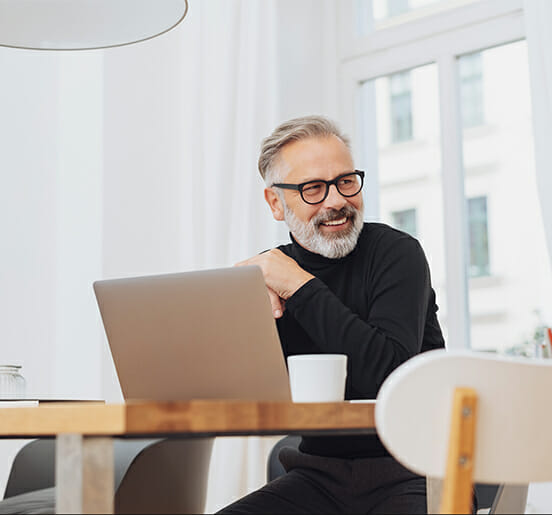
[{"x": 275, "y": 303}]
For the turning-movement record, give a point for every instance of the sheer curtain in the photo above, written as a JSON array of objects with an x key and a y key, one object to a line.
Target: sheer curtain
[
  {"x": 538, "y": 19},
  {"x": 230, "y": 84},
  {"x": 184, "y": 117},
  {"x": 230, "y": 87}
]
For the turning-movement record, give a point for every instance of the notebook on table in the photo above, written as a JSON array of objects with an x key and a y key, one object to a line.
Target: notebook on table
[{"x": 194, "y": 335}]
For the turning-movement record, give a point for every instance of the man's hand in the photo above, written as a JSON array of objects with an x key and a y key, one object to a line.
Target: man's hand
[{"x": 282, "y": 275}]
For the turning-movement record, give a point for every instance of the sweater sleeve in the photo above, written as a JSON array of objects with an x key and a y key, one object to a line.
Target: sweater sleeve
[{"x": 397, "y": 290}]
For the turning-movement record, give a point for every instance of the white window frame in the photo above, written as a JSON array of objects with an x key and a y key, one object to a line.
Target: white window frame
[{"x": 437, "y": 38}]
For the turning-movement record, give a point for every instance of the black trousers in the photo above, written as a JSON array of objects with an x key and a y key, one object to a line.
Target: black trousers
[{"x": 314, "y": 484}]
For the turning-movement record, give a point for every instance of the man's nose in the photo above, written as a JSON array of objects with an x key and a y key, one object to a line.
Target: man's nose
[{"x": 334, "y": 199}]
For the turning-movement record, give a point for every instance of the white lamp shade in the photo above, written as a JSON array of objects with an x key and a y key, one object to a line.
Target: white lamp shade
[{"x": 85, "y": 24}]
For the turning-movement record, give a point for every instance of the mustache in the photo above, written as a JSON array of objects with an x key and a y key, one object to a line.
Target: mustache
[{"x": 335, "y": 214}]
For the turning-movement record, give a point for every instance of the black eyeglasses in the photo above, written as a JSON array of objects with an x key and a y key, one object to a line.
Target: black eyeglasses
[{"x": 314, "y": 192}]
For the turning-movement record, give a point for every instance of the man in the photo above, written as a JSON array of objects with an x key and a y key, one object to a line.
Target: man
[{"x": 340, "y": 286}]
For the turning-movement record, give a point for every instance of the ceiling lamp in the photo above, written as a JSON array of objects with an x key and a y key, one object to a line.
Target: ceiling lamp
[{"x": 85, "y": 24}]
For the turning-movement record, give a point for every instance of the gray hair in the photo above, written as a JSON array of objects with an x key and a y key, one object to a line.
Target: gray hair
[{"x": 293, "y": 130}]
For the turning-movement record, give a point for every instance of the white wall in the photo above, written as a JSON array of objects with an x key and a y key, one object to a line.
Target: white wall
[
  {"x": 51, "y": 133},
  {"x": 50, "y": 217},
  {"x": 28, "y": 161},
  {"x": 28, "y": 166}
]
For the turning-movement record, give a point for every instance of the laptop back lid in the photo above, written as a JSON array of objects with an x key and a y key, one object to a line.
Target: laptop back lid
[{"x": 194, "y": 335}]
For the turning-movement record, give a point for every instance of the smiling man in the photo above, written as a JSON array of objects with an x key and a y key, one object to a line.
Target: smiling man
[{"x": 340, "y": 286}]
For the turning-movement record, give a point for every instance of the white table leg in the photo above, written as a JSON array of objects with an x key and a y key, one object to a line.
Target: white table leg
[{"x": 84, "y": 474}]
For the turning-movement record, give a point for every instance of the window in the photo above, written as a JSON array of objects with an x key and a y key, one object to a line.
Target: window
[
  {"x": 508, "y": 230},
  {"x": 405, "y": 221},
  {"x": 434, "y": 72},
  {"x": 401, "y": 107},
  {"x": 396, "y": 7},
  {"x": 379, "y": 14},
  {"x": 471, "y": 89},
  {"x": 478, "y": 236},
  {"x": 407, "y": 172}
]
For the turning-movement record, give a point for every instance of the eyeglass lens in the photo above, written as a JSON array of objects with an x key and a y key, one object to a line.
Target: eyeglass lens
[{"x": 348, "y": 185}]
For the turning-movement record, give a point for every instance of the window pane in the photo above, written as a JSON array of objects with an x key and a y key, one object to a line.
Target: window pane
[
  {"x": 400, "y": 106},
  {"x": 396, "y": 7},
  {"x": 510, "y": 283},
  {"x": 379, "y": 14},
  {"x": 478, "y": 237},
  {"x": 405, "y": 221},
  {"x": 471, "y": 89},
  {"x": 408, "y": 167}
]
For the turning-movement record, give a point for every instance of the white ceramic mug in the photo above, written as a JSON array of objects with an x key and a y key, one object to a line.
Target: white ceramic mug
[{"x": 317, "y": 377}]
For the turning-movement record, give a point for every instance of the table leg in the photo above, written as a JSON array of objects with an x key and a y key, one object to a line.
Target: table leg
[{"x": 84, "y": 474}]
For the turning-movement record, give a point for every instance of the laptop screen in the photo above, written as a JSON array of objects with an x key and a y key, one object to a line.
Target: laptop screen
[{"x": 194, "y": 335}]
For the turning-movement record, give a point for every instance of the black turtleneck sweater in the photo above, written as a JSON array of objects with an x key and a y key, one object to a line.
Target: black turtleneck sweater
[{"x": 376, "y": 305}]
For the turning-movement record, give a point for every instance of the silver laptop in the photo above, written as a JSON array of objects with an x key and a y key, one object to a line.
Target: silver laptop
[{"x": 194, "y": 335}]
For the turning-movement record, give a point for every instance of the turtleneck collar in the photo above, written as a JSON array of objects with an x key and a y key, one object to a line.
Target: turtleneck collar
[{"x": 312, "y": 260}]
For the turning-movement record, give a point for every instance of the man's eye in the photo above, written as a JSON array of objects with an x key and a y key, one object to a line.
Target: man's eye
[
  {"x": 346, "y": 182},
  {"x": 312, "y": 188}
]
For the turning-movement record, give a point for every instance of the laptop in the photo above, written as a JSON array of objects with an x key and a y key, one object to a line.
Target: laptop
[{"x": 194, "y": 335}]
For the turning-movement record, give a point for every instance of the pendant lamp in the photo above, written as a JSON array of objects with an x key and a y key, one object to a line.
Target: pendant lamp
[{"x": 85, "y": 24}]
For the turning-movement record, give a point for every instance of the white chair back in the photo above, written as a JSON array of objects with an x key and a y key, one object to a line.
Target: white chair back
[{"x": 513, "y": 442}]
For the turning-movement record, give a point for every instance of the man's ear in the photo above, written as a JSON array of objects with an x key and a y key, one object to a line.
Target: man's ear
[{"x": 275, "y": 203}]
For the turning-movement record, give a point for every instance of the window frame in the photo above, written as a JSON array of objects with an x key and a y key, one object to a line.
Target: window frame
[{"x": 438, "y": 38}]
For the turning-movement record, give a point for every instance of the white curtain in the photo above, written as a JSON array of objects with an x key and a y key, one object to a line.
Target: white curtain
[
  {"x": 230, "y": 86},
  {"x": 538, "y": 20},
  {"x": 230, "y": 91},
  {"x": 184, "y": 116}
]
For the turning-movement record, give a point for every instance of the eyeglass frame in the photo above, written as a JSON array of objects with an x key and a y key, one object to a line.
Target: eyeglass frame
[{"x": 301, "y": 186}]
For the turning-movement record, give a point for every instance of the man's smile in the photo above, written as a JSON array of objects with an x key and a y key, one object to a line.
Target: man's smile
[
  {"x": 335, "y": 226},
  {"x": 341, "y": 221},
  {"x": 338, "y": 221}
]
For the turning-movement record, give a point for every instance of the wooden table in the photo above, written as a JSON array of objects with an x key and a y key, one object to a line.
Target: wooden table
[{"x": 84, "y": 467}]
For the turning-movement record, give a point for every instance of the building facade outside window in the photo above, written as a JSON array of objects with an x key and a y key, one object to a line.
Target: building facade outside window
[
  {"x": 401, "y": 107},
  {"x": 479, "y": 237},
  {"x": 396, "y": 7},
  {"x": 405, "y": 221},
  {"x": 471, "y": 89}
]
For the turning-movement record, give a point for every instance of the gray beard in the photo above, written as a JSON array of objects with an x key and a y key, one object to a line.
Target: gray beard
[{"x": 333, "y": 246}]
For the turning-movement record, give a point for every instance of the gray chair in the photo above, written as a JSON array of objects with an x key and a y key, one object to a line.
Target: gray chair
[{"x": 151, "y": 476}]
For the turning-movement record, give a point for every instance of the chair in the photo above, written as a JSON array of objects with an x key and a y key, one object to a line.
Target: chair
[
  {"x": 151, "y": 476},
  {"x": 470, "y": 417},
  {"x": 274, "y": 468}
]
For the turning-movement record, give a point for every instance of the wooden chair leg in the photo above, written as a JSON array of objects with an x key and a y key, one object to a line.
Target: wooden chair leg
[{"x": 458, "y": 485}]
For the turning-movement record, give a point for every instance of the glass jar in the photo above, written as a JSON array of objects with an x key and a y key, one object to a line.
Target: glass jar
[{"x": 12, "y": 383}]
